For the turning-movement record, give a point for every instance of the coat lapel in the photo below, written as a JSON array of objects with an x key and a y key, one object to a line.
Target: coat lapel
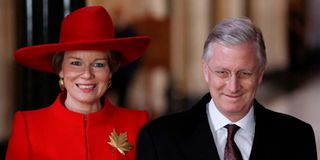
[
  {"x": 200, "y": 144},
  {"x": 260, "y": 141}
]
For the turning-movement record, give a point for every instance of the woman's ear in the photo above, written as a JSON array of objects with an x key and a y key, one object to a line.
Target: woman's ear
[{"x": 61, "y": 74}]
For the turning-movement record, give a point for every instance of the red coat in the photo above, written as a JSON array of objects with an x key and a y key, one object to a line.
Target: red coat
[{"x": 56, "y": 133}]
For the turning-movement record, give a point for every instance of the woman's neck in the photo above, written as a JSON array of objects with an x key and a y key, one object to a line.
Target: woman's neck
[{"x": 84, "y": 108}]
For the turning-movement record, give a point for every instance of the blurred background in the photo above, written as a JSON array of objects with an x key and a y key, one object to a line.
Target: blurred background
[{"x": 168, "y": 77}]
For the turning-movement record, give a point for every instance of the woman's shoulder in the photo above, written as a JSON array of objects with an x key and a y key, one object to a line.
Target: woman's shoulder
[
  {"x": 41, "y": 111},
  {"x": 38, "y": 116},
  {"x": 130, "y": 114},
  {"x": 129, "y": 111},
  {"x": 35, "y": 112}
]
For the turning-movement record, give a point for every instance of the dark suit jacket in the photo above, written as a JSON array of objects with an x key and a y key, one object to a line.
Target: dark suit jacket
[{"x": 187, "y": 136}]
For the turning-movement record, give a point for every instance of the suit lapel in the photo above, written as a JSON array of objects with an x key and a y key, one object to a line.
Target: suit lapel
[
  {"x": 200, "y": 144},
  {"x": 260, "y": 140}
]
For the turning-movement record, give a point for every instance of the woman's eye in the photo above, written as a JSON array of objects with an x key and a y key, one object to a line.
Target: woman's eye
[
  {"x": 76, "y": 63},
  {"x": 98, "y": 64}
]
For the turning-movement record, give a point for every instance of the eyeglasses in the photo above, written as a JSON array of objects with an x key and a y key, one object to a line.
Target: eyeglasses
[{"x": 226, "y": 74}]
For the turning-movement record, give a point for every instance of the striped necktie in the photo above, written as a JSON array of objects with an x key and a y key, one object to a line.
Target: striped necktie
[{"x": 231, "y": 151}]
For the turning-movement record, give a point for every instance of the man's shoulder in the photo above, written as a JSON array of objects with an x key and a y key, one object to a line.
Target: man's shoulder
[
  {"x": 282, "y": 132},
  {"x": 183, "y": 121},
  {"x": 173, "y": 128},
  {"x": 276, "y": 118},
  {"x": 174, "y": 120}
]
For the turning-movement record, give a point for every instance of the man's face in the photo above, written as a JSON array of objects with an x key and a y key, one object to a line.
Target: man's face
[{"x": 233, "y": 75}]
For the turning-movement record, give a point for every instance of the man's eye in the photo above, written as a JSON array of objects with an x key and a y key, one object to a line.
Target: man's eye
[
  {"x": 76, "y": 63},
  {"x": 223, "y": 74},
  {"x": 245, "y": 74}
]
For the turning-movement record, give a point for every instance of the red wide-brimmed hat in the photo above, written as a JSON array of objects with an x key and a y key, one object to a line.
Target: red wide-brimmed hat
[{"x": 88, "y": 28}]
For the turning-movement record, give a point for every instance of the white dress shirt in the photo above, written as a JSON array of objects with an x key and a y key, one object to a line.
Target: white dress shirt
[{"x": 243, "y": 137}]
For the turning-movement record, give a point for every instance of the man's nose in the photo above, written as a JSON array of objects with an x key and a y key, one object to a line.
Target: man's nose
[{"x": 233, "y": 83}]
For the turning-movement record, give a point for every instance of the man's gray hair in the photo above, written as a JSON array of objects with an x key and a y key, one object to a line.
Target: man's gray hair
[{"x": 236, "y": 31}]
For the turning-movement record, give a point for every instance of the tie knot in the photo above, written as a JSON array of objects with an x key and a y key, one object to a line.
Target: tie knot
[{"x": 232, "y": 129}]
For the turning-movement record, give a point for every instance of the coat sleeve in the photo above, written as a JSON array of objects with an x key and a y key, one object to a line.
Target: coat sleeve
[
  {"x": 19, "y": 146},
  {"x": 145, "y": 146},
  {"x": 309, "y": 146}
]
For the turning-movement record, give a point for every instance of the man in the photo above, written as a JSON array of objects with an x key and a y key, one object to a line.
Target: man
[{"x": 233, "y": 64}]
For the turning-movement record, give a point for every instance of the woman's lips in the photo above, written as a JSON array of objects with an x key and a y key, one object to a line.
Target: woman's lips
[{"x": 86, "y": 87}]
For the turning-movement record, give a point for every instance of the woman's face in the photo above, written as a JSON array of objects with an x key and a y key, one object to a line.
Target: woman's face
[{"x": 86, "y": 75}]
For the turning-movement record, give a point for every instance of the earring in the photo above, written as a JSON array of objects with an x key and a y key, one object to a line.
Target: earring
[
  {"x": 61, "y": 84},
  {"x": 109, "y": 83}
]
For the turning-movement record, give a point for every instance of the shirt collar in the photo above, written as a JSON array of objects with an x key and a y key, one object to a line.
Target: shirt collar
[{"x": 247, "y": 123}]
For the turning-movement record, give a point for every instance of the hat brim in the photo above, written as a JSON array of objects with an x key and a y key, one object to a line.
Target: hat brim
[{"x": 39, "y": 57}]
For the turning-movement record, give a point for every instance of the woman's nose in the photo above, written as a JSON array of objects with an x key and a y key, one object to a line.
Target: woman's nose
[{"x": 87, "y": 72}]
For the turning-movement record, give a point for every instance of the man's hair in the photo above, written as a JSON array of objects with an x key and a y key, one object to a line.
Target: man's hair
[{"x": 236, "y": 31}]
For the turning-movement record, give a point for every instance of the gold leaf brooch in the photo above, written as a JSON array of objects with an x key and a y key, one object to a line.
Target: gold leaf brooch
[{"x": 120, "y": 142}]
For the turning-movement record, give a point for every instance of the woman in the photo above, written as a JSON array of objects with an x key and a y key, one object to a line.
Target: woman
[{"x": 81, "y": 124}]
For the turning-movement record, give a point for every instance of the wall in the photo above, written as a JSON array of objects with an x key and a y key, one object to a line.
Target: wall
[{"x": 7, "y": 47}]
